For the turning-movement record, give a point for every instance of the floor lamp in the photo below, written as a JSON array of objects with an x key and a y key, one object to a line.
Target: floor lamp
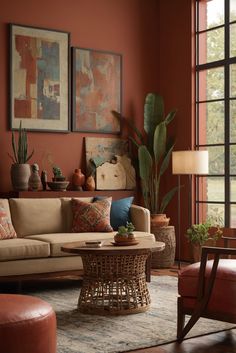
[{"x": 188, "y": 163}]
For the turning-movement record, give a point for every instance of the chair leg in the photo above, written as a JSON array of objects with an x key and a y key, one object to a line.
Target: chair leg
[{"x": 180, "y": 317}]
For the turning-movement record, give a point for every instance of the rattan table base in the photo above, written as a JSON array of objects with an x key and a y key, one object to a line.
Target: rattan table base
[{"x": 114, "y": 284}]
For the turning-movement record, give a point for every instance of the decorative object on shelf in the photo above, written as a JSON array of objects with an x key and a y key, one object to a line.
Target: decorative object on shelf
[
  {"x": 40, "y": 96},
  {"x": 103, "y": 150},
  {"x": 34, "y": 179},
  {"x": 125, "y": 235},
  {"x": 58, "y": 185},
  {"x": 96, "y": 79},
  {"x": 78, "y": 180},
  {"x": 207, "y": 232},
  {"x": 153, "y": 155},
  {"x": 90, "y": 183},
  {"x": 57, "y": 174},
  {"x": 44, "y": 179},
  {"x": 188, "y": 163},
  {"x": 159, "y": 220},
  {"x": 20, "y": 169},
  {"x": 165, "y": 258}
]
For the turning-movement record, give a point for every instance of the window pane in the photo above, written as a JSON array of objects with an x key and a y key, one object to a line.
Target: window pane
[
  {"x": 233, "y": 216},
  {"x": 233, "y": 121},
  {"x": 211, "y": 84},
  {"x": 233, "y": 80},
  {"x": 211, "y": 123},
  {"x": 232, "y": 159},
  {"x": 233, "y": 189},
  {"x": 216, "y": 211},
  {"x": 211, "y": 14},
  {"x": 232, "y": 10},
  {"x": 211, "y": 46},
  {"x": 216, "y": 160},
  {"x": 232, "y": 32},
  {"x": 215, "y": 189}
]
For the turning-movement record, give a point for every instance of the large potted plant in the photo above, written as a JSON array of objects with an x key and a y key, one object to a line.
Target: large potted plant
[
  {"x": 20, "y": 169},
  {"x": 154, "y": 153},
  {"x": 205, "y": 233}
]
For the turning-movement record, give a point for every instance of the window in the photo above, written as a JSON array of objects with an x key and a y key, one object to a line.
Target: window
[{"x": 216, "y": 107}]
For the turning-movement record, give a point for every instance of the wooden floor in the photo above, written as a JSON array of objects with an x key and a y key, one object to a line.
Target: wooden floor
[{"x": 222, "y": 342}]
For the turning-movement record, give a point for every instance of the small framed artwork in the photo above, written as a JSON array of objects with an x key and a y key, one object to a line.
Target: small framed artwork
[
  {"x": 96, "y": 79},
  {"x": 39, "y": 79}
]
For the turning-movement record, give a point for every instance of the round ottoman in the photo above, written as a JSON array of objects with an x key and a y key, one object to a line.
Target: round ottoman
[{"x": 27, "y": 325}]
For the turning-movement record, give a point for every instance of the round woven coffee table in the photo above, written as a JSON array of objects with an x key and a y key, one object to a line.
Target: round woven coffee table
[{"x": 114, "y": 280}]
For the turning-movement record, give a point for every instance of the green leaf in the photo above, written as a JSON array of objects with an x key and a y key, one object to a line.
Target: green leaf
[
  {"x": 170, "y": 116},
  {"x": 145, "y": 163},
  {"x": 167, "y": 198},
  {"x": 159, "y": 142},
  {"x": 166, "y": 161},
  {"x": 134, "y": 141},
  {"x": 153, "y": 112}
]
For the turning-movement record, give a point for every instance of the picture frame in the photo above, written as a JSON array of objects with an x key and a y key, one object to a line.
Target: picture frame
[
  {"x": 96, "y": 90},
  {"x": 39, "y": 79}
]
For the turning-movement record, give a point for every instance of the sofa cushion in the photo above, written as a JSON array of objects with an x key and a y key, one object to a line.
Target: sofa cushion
[
  {"x": 120, "y": 211},
  {"x": 67, "y": 210},
  {"x": 36, "y": 216},
  {"x": 15, "y": 249},
  {"x": 91, "y": 217},
  {"x": 56, "y": 241},
  {"x": 7, "y": 230}
]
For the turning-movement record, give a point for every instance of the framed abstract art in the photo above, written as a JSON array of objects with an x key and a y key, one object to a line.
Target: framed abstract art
[
  {"x": 39, "y": 79},
  {"x": 96, "y": 79}
]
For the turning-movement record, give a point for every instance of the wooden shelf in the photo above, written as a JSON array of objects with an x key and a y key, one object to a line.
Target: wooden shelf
[{"x": 115, "y": 194}]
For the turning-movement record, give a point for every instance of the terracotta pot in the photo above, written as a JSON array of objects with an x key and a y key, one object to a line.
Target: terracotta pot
[
  {"x": 20, "y": 174},
  {"x": 159, "y": 220},
  {"x": 196, "y": 252},
  {"x": 78, "y": 179}
]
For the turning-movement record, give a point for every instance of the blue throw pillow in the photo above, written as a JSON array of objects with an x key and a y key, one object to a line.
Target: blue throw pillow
[{"x": 120, "y": 211}]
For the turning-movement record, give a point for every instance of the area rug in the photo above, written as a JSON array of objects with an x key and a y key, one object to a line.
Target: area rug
[{"x": 80, "y": 333}]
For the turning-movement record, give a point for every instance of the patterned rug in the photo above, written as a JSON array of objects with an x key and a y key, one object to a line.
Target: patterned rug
[{"x": 80, "y": 333}]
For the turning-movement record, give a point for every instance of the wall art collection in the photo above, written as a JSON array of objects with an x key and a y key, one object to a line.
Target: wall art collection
[{"x": 40, "y": 72}]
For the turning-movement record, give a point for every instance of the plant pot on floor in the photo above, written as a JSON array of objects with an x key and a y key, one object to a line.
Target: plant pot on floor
[
  {"x": 159, "y": 220},
  {"x": 20, "y": 174}
]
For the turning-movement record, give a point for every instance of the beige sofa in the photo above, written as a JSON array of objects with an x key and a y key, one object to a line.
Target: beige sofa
[{"x": 42, "y": 227}]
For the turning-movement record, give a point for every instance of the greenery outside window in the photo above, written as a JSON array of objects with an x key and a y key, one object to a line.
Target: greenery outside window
[{"x": 216, "y": 107}]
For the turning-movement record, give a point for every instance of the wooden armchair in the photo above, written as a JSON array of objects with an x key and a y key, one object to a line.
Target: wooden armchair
[{"x": 208, "y": 288}]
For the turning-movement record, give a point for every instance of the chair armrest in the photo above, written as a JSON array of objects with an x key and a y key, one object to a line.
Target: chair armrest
[{"x": 140, "y": 217}]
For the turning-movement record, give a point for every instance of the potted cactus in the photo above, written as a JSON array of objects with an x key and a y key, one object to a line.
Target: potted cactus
[
  {"x": 125, "y": 233},
  {"x": 20, "y": 169}
]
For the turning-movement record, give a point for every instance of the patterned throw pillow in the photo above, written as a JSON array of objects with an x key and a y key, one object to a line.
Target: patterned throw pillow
[
  {"x": 6, "y": 228},
  {"x": 91, "y": 217}
]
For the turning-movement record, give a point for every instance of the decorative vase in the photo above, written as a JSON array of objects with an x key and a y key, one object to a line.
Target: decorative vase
[
  {"x": 78, "y": 179},
  {"x": 44, "y": 179},
  {"x": 159, "y": 220},
  {"x": 20, "y": 174},
  {"x": 90, "y": 183},
  {"x": 34, "y": 179},
  {"x": 165, "y": 258}
]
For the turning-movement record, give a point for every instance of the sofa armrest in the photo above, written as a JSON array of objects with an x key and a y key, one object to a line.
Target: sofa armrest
[{"x": 140, "y": 217}]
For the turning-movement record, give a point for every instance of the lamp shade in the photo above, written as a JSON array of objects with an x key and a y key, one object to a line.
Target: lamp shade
[{"x": 190, "y": 162}]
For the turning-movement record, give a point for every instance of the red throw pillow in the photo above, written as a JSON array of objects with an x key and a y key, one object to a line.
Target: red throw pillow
[
  {"x": 91, "y": 217},
  {"x": 7, "y": 230}
]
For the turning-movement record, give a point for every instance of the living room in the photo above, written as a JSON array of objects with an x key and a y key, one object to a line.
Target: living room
[{"x": 154, "y": 42}]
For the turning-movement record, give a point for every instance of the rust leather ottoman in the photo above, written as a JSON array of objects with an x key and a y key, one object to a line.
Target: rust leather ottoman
[{"x": 27, "y": 325}]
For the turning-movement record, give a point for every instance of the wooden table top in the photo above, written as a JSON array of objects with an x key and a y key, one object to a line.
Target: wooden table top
[{"x": 108, "y": 247}]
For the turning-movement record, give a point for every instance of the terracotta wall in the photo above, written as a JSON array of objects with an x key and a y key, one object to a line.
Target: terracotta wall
[
  {"x": 123, "y": 26},
  {"x": 154, "y": 37}
]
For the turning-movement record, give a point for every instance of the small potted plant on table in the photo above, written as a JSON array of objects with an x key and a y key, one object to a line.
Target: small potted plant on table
[{"x": 125, "y": 234}]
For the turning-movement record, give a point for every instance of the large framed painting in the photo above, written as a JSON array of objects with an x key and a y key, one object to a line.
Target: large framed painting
[
  {"x": 96, "y": 90},
  {"x": 39, "y": 79}
]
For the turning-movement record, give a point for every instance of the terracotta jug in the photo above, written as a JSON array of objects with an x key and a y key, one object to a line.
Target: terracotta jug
[
  {"x": 159, "y": 220},
  {"x": 90, "y": 183},
  {"x": 78, "y": 179}
]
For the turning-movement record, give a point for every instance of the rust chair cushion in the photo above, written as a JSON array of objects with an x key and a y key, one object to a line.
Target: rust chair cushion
[{"x": 224, "y": 290}]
